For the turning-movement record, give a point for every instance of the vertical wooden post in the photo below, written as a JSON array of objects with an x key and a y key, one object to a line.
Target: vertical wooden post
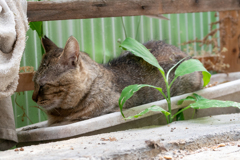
[{"x": 230, "y": 38}]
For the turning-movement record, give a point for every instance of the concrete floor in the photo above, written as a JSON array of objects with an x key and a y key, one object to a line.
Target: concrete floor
[
  {"x": 191, "y": 139},
  {"x": 231, "y": 151}
]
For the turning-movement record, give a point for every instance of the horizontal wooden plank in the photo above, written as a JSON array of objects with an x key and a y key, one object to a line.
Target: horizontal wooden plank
[
  {"x": 190, "y": 6},
  {"x": 82, "y": 9},
  {"x": 25, "y": 82}
]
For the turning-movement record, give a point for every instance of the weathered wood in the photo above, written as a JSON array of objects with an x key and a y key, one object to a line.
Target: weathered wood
[
  {"x": 190, "y": 6},
  {"x": 81, "y": 9},
  {"x": 25, "y": 82},
  {"x": 45, "y": 11},
  {"x": 230, "y": 38}
]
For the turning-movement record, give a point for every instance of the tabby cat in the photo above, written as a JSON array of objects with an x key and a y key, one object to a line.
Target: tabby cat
[{"x": 72, "y": 87}]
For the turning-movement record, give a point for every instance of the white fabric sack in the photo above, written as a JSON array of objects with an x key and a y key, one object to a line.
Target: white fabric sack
[
  {"x": 7, "y": 28},
  {"x": 13, "y": 28}
]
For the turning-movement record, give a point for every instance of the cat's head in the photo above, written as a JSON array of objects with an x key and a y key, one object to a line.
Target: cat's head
[{"x": 54, "y": 81}]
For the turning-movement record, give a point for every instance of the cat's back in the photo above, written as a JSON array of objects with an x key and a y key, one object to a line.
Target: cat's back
[
  {"x": 129, "y": 69},
  {"x": 162, "y": 51},
  {"x": 128, "y": 64},
  {"x": 165, "y": 53}
]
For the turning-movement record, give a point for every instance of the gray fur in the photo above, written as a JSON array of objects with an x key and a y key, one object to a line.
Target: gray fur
[{"x": 72, "y": 87}]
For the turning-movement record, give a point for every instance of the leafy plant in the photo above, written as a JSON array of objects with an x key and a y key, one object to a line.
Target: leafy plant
[
  {"x": 204, "y": 103},
  {"x": 186, "y": 67},
  {"x": 38, "y": 27}
]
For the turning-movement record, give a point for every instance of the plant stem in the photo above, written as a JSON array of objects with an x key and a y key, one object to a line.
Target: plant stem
[
  {"x": 172, "y": 82},
  {"x": 180, "y": 112},
  {"x": 167, "y": 119},
  {"x": 163, "y": 94},
  {"x": 193, "y": 113},
  {"x": 169, "y": 102},
  {"x": 168, "y": 98}
]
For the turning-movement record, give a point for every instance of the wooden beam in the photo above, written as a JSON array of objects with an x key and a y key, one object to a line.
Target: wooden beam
[
  {"x": 25, "y": 82},
  {"x": 82, "y": 9},
  {"x": 230, "y": 38}
]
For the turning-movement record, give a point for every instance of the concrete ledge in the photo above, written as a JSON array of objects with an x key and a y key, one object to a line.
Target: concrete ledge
[
  {"x": 115, "y": 121},
  {"x": 141, "y": 143}
]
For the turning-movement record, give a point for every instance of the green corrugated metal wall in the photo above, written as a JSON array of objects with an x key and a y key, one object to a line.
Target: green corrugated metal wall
[{"x": 98, "y": 37}]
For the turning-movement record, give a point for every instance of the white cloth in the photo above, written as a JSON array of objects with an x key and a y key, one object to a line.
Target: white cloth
[
  {"x": 7, "y": 28},
  {"x": 13, "y": 28}
]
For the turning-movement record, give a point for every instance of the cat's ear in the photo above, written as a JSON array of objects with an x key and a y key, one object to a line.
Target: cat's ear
[
  {"x": 48, "y": 44},
  {"x": 70, "y": 53}
]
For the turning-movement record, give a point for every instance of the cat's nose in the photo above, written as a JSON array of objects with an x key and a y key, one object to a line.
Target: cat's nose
[
  {"x": 36, "y": 93},
  {"x": 35, "y": 96}
]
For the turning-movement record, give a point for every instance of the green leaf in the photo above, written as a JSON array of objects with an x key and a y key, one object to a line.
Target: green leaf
[
  {"x": 207, "y": 103},
  {"x": 191, "y": 66},
  {"x": 189, "y": 98},
  {"x": 128, "y": 92},
  {"x": 198, "y": 97},
  {"x": 37, "y": 26},
  {"x": 206, "y": 78},
  {"x": 169, "y": 71},
  {"x": 152, "y": 108},
  {"x": 180, "y": 116},
  {"x": 203, "y": 103},
  {"x": 140, "y": 50}
]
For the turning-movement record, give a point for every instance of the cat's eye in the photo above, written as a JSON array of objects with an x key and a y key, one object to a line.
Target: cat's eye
[{"x": 73, "y": 63}]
